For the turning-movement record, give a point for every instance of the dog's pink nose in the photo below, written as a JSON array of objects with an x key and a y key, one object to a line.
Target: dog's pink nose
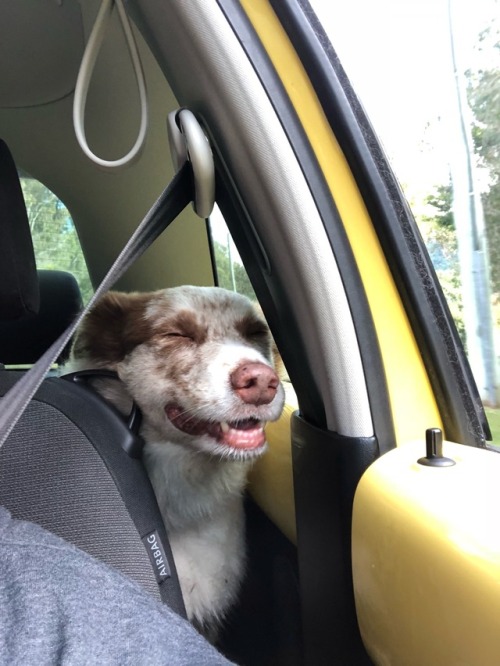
[{"x": 255, "y": 383}]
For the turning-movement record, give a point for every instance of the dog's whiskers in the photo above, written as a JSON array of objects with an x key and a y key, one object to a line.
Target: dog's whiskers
[{"x": 196, "y": 411}]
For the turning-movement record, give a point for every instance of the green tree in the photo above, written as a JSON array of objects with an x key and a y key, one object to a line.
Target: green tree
[
  {"x": 438, "y": 231},
  {"x": 442, "y": 201},
  {"x": 54, "y": 236}
]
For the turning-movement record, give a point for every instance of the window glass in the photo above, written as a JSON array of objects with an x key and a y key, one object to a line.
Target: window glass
[
  {"x": 428, "y": 74},
  {"x": 54, "y": 235}
]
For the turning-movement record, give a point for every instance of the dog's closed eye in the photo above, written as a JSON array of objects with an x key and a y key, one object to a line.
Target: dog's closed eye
[
  {"x": 184, "y": 327},
  {"x": 179, "y": 336},
  {"x": 253, "y": 329},
  {"x": 257, "y": 329}
]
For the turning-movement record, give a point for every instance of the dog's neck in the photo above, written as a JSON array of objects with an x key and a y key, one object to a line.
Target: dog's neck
[{"x": 192, "y": 487}]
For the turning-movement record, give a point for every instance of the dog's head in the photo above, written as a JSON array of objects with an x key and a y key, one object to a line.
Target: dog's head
[{"x": 197, "y": 360}]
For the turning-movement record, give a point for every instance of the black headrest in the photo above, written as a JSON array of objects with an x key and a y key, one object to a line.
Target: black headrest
[
  {"x": 24, "y": 341},
  {"x": 19, "y": 293}
]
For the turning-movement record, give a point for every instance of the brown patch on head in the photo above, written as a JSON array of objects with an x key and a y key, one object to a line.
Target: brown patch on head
[
  {"x": 254, "y": 329},
  {"x": 113, "y": 328}
]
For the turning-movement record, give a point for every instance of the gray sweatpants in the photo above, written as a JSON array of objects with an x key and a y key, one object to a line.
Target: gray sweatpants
[{"x": 59, "y": 605}]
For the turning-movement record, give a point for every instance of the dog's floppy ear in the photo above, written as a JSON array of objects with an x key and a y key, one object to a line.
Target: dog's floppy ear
[{"x": 115, "y": 325}]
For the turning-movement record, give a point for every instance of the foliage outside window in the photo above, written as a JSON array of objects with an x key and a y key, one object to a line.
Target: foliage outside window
[{"x": 54, "y": 235}]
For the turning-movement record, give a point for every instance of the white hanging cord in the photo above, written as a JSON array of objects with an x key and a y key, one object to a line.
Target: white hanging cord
[{"x": 85, "y": 74}]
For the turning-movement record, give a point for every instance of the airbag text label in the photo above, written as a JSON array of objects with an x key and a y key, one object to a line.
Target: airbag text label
[{"x": 157, "y": 556}]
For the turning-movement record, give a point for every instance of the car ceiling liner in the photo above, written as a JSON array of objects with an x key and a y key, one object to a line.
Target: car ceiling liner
[{"x": 39, "y": 57}]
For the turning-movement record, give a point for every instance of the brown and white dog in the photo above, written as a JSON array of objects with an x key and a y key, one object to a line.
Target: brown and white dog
[{"x": 198, "y": 362}]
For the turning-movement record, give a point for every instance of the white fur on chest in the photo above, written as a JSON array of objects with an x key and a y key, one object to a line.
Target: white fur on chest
[{"x": 201, "y": 503}]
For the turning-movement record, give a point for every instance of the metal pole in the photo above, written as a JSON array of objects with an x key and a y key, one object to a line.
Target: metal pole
[
  {"x": 230, "y": 259},
  {"x": 472, "y": 248}
]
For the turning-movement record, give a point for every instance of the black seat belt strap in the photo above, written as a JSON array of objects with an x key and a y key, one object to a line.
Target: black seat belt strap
[{"x": 171, "y": 202}]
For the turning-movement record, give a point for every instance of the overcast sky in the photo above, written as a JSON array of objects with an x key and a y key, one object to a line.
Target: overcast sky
[{"x": 397, "y": 55}]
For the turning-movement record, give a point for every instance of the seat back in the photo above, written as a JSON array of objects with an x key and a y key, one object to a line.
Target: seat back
[
  {"x": 65, "y": 465},
  {"x": 19, "y": 295},
  {"x": 23, "y": 340}
]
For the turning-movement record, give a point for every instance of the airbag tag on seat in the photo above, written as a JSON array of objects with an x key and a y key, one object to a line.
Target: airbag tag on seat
[{"x": 156, "y": 553}]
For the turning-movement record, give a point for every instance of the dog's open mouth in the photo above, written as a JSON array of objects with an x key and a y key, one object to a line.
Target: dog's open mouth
[{"x": 244, "y": 434}]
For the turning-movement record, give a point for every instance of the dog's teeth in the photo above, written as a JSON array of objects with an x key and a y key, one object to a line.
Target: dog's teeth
[{"x": 224, "y": 426}]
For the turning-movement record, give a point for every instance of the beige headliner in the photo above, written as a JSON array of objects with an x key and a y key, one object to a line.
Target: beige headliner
[{"x": 105, "y": 207}]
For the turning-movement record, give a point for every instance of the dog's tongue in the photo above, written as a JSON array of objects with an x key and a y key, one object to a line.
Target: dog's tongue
[{"x": 245, "y": 434}]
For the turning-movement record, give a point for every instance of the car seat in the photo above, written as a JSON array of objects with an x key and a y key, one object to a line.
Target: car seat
[{"x": 65, "y": 464}]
